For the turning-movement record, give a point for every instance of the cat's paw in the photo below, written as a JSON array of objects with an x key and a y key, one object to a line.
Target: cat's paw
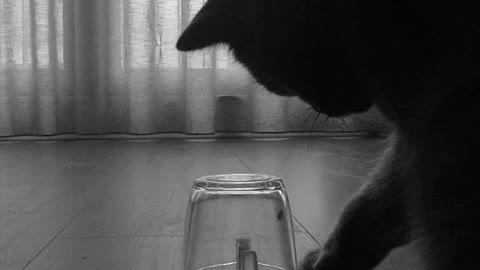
[{"x": 310, "y": 259}]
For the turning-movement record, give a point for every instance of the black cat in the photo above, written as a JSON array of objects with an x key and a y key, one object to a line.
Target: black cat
[{"x": 418, "y": 61}]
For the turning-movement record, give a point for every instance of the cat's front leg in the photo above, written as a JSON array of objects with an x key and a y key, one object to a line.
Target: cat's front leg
[{"x": 373, "y": 223}]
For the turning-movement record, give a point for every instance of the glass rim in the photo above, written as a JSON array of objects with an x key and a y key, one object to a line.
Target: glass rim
[{"x": 239, "y": 182}]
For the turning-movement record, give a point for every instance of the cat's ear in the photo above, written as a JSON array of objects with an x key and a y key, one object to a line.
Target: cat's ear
[{"x": 211, "y": 25}]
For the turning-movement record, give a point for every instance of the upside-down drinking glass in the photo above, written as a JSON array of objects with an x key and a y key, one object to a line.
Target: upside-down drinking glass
[{"x": 238, "y": 222}]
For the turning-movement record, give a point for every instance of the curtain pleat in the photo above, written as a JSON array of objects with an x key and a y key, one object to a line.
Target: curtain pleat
[
  {"x": 6, "y": 98},
  {"x": 68, "y": 105},
  {"x": 110, "y": 66}
]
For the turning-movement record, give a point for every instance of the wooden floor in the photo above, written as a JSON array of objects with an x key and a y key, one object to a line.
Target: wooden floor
[{"x": 121, "y": 204}]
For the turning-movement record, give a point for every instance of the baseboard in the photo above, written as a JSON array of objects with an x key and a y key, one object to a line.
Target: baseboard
[{"x": 184, "y": 136}]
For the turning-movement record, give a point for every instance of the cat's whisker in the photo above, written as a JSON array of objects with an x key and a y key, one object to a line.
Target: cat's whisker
[
  {"x": 326, "y": 119},
  {"x": 315, "y": 122},
  {"x": 310, "y": 112}
]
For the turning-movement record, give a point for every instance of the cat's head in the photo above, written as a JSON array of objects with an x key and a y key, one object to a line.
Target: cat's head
[{"x": 287, "y": 45}]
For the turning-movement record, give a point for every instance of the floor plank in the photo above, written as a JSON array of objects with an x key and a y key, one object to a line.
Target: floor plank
[
  {"x": 43, "y": 187},
  {"x": 149, "y": 198},
  {"x": 118, "y": 253},
  {"x": 121, "y": 204}
]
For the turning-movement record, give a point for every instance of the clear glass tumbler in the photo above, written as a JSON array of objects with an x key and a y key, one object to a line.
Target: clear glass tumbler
[{"x": 238, "y": 222}]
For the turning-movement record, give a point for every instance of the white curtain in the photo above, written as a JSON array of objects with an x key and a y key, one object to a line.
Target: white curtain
[{"x": 110, "y": 66}]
